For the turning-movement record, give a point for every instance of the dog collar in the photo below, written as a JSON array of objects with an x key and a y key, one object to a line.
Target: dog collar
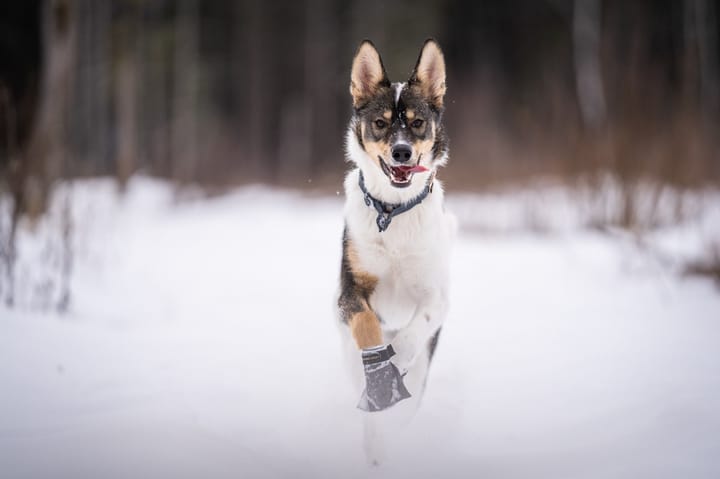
[{"x": 386, "y": 211}]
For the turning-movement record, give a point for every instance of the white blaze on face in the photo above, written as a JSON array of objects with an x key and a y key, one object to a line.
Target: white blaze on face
[{"x": 399, "y": 87}]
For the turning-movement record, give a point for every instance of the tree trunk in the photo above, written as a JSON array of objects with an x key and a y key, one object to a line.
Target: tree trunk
[
  {"x": 587, "y": 16},
  {"x": 48, "y": 146},
  {"x": 257, "y": 70},
  {"x": 185, "y": 92},
  {"x": 707, "y": 47},
  {"x": 46, "y": 156},
  {"x": 126, "y": 101}
]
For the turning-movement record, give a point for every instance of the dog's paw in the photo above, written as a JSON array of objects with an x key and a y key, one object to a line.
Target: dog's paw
[{"x": 405, "y": 346}]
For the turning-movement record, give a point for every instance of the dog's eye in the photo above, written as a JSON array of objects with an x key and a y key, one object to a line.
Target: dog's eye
[
  {"x": 417, "y": 123},
  {"x": 380, "y": 124}
]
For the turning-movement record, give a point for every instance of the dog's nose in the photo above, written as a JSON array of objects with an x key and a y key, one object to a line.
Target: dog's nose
[{"x": 401, "y": 153}]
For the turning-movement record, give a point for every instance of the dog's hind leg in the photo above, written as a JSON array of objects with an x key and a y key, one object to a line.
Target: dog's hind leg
[
  {"x": 402, "y": 413},
  {"x": 412, "y": 341},
  {"x": 373, "y": 438}
]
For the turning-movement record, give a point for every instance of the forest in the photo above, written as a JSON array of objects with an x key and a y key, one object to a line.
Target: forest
[{"x": 230, "y": 92}]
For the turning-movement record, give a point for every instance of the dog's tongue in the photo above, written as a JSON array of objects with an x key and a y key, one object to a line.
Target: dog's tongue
[{"x": 411, "y": 169}]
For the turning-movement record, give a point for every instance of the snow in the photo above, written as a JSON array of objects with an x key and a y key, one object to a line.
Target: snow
[{"x": 201, "y": 342}]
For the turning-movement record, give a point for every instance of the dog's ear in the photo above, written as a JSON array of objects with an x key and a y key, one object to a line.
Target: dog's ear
[
  {"x": 429, "y": 73},
  {"x": 368, "y": 73}
]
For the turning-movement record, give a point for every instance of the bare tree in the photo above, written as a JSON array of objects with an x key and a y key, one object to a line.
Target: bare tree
[
  {"x": 7, "y": 229},
  {"x": 586, "y": 47},
  {"x": 126, "y": 100},
  {"x": 46, "y": 156},
  {"x": 185, "y": 92},
  {"x": 705, "y": 17},
  {"x": 257, "y": 69}
]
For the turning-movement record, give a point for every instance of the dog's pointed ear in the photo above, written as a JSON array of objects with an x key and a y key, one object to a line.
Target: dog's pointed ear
[
  {"x": 429, "y": 73},
  {"x": 368, "y": 73}
]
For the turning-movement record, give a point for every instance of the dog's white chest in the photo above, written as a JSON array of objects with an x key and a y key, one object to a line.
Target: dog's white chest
[
  {"x": 410, "y": 258},
  {"x": 400, "y": 289}
]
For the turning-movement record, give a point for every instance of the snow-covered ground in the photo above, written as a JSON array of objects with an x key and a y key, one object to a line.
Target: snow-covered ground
[{"x": 201, "y": 343}]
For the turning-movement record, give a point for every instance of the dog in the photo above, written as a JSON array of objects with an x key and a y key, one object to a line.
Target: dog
[{"x": 393, "y": 295}]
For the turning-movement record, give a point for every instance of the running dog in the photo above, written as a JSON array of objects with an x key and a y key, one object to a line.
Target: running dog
[{"x": 393, "y": 295}]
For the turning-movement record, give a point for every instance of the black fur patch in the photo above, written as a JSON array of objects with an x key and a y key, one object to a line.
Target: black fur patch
[
  {"x": 442, "y": 143},
  {"x": 432, "y": 344},
  {"x": 358, "y": 134},
  {"x": 354, "y": 295}
]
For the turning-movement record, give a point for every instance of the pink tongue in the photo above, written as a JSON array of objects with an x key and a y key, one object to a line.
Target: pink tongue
[{"x": 411, "y": 169}]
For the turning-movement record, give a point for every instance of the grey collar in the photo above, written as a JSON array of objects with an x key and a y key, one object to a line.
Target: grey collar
[{"x": 386, "y": 211}]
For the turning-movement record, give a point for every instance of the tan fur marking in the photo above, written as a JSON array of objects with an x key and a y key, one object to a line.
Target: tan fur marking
[
  {"x": 365, "y": 281},
  {"x": 375, "y": 148},
  {"x": 387, "y": 115},
  {"x": 365, "y": 329},
  {"x": 364, "y": 325},
  {"x": 424, "y": 147},
  {"x": 410, "y": 114}
]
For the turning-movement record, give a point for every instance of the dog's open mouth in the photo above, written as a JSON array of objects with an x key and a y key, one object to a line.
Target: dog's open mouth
[{"x": 400, "y": 176}]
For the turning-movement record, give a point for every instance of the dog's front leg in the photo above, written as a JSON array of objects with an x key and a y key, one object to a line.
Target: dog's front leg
[
  {"x": 413, "y": 338},
  {"x": 365, "y": 329},
  {"x": 356, "y": 286}
]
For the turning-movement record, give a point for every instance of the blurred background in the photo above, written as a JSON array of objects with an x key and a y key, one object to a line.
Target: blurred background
[
  {"x": 229, "y": 92},
  {"x": 171, "y": 214}
]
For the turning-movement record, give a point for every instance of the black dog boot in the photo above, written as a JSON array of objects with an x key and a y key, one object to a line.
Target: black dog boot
[{"x": 384, "y": 384}]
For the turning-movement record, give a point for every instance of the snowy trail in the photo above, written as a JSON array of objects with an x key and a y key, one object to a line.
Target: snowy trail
[{"x": 202, "y": 344}]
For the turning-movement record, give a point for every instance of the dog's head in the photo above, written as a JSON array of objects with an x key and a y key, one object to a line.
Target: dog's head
[{"x": 398, "y": 125}]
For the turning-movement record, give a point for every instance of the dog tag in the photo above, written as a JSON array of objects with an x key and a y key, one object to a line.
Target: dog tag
[{"x": 383, "y": 221}]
